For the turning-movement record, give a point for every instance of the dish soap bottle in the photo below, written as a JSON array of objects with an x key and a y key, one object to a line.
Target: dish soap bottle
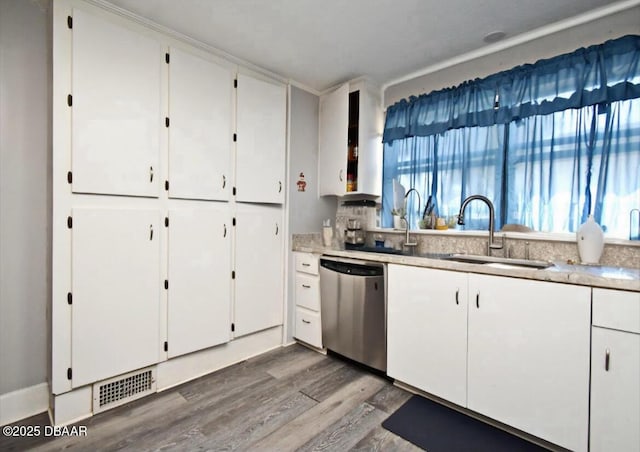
[{"x": 590, "y": 240}]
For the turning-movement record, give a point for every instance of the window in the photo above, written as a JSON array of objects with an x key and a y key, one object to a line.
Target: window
[{"x": 548, "y": 143}]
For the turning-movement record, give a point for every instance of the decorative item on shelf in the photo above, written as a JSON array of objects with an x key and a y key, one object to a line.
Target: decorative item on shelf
[
  {"x": 441, "y": 225},
  {"x": 590, "y": 240},
  {"x": 398, "y": 218}
]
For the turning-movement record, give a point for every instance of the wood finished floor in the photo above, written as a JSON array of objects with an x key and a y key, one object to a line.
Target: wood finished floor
[{"x": 288, "y": 399}]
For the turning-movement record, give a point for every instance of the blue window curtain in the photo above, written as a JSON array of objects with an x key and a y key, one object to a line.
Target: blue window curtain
[{"x": 548, "y": 143}]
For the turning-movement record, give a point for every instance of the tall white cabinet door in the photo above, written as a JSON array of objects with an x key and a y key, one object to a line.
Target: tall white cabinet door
[
  {"x": 615, "y": 391},
  {"x": 115, "y": 318},
  {"x": 200, "y": 134},
  {"x": 529, "y": 351},
  {"x": 116, "y": 115},
  {"x": 427, "y": 330},
  {"x": 259, "y": 290},
  {"x": 199, "y": 313},
  {"x": 261, "y": 146},
  {"x": 333, "y": 146}
]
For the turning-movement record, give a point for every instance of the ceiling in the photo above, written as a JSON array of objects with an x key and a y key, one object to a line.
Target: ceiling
[{"x": 320, "y": 44}]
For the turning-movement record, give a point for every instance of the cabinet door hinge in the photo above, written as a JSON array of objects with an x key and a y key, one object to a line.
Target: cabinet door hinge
[
  {"x": 233, "y": 327},
  {"x": 166, "y": 122},
  {"x": 166, "y": 284},
  {"x": 166, "y": 58},
  {"x": 235, "y": 83},
  {"x": 69, "y": 373},
  {"x": 166, "y": 185},
  {"x": 69, "y": 22},
  {"x": 69, "y": 298},
  {"x": 166, "y": 346},
  {"x": 166, "y": 222},
  {"x": 69, "y": 176},
  {"x": 233, "y": 275},
  {"x": 69, "y": 100},
  {"x": 69, "y": 222}
]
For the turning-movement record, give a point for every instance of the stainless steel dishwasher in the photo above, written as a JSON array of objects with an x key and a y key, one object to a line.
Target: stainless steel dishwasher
[{"x": 353, "y": 308}]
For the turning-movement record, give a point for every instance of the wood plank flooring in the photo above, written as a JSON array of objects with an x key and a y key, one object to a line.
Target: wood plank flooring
[{"x": 290, "y": 399}]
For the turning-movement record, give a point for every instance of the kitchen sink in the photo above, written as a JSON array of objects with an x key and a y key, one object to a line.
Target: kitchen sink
[
  {"x": 491, "y": 261},
  {"x": 499, "y": 262}
]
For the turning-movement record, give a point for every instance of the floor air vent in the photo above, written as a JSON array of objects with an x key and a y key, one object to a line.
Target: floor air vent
[{"x": 123, "y": 389}]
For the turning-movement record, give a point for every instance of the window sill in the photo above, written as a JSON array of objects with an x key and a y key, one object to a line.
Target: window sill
[{"x": 540, "y": 236}]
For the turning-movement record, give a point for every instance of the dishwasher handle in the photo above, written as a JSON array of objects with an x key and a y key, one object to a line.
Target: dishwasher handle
[{"x": 352, "y": 269}]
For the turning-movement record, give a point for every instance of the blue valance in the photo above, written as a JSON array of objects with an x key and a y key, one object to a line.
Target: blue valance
[{"x": 594, "y": 75}]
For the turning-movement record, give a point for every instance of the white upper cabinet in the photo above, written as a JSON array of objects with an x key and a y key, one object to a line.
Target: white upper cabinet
[
  {"x": 115, "y": 313},
  {"x": 261, "y": 140},
  {"x": 199, "y": 313},
  {"x": 332, "y": 155},
  {"x": 200, "y": 134},
  {"x": 350, "y": 141},
  {"x": 259, "y": 270},
  {"x": 116, "y": 108}
]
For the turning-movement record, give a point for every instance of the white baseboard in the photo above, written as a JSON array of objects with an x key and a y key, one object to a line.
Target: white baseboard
[{"x": 24, "y": 403}]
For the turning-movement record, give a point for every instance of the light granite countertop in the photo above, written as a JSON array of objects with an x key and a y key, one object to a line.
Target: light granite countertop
[{"x": 561, "y": 272}]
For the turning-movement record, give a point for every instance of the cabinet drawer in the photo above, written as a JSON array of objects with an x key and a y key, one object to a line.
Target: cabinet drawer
[
  {"x": 308, "y": 291},
  {"x": 307, "y": 263},
  {"x": 617, "y": 309},
  {"x": 308, "y": 328}
]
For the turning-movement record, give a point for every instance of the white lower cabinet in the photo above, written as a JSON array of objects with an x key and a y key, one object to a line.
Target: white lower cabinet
[
  {"x": 514, "y": 350},
  {"x": 199, "y": 283},
  {"x": 427, "y": 330},
  {"x": 259, "y": 283},
  {"x": 308, "y": 327},
  {"x": 615, "y": 371},
  {"x": 115, "y": 310},
  {"x": 529, "y": 356}
]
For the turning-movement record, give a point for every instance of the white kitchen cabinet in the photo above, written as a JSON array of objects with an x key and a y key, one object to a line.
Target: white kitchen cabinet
[
  {"x": 427, "y": 330},
  {"x": 615, "y": 371},
  {"x": 261, "y": 140},
  {"x": 308, "y": 326},
  {"x": 350, "y": 140},
  {"x": 528, "y": 356},
  {"x": 199, "y": 283},
  {"x": 116, "y": 108},
  {"x": 615, "y": 391},
  {"x": 201, "y": 100},
  {"x": 116, "y": 283},
  {"x": 259, "y": 292}
]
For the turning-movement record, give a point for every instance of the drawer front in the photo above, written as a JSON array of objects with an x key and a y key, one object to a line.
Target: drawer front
[
  {"x": 307, "y": 263},
  {"x": 308, "y": 328},
  {"x": 308, "y": 291},
  {"x": 617, "y": 309}
]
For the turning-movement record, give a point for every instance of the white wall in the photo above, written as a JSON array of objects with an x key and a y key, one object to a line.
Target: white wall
[
  {"x": 25, "y": 193},
  {"x": 306, "y": 209},
  {"x": 565, "y": 41}
]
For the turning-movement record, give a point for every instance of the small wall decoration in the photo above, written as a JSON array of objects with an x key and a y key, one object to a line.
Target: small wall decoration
[{"x": 302, "y": 184}]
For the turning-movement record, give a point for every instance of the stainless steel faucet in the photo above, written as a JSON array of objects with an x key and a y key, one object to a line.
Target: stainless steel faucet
[
  {"x": 490, "y": 245},
  {"x": 408, "y": 243}
]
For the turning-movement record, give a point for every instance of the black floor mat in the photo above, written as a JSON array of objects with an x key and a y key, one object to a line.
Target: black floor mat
[{"x": 436, "y": 428}]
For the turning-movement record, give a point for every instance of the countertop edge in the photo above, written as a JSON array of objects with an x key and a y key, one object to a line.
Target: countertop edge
[{"x": 557, "y": 274}]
